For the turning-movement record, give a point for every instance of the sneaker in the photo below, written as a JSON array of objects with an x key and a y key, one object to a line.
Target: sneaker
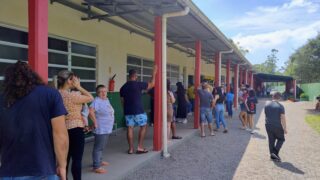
[
  {"x": 212, "y": 133},
  {"x": 185, "y": 121},
  {"x": 248, "y": 129},
  {"x": 252, "y": 132},
  {"x": 274, "y": 157},
  {"x": 104, "y": 163},
  {"x": 225, "y": 131},
  {"x": 100, "y": 171}
]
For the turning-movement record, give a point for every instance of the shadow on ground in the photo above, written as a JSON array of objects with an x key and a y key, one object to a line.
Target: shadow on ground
[
  {"x": 212, "y": 157},
  {"x": 289, "y": 167}
]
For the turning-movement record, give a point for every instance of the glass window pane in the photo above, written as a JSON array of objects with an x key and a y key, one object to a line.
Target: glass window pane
[
  {"x": 3, "y": 67},
  {"x": 146, "y": 78},
  {"x": 83, "y": 49},
  {"x": 147, "y": 63},
  {"x": 55, "y": 58},
  {"x": 174, "y": 74},
  {"x": 133, "y": 60},
  {"x": 83, "y": 62},
  {"x": 52, "y": 71},
  {"x": 9, "y": 52},
  {"x": 138, "y": 69},
  {"x": 174, "y": 68},
  {"x": 85, "y": 74},
  {"x": 89, "y": 86},
  {"x": 14, "y": 36},
  {"x": 58, "y": 44},
  {"x": 147, "y": 71}
]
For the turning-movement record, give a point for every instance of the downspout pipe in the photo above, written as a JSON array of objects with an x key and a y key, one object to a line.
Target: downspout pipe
[
  {"x": 220, "y": 56},
  {"x": 184, "y": 12}
]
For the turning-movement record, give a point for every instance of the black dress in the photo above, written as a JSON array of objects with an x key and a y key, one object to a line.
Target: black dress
[{"x": 182, "y": 105}]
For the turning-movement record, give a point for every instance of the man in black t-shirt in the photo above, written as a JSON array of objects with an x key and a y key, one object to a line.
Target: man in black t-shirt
[{"x": 275, "y": 125}]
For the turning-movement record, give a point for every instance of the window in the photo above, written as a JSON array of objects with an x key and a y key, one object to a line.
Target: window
[
  {"x": 62, "y": 54},
  {"x": 144, "y": 70},
  {"x": 143, "y": 67}
]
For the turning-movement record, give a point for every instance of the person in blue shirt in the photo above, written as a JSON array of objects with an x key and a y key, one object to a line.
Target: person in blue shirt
[
  {"x": 229, "y": 102},
  {"x": 131, "y": 94},
  {"x": 33, "y": 135}
]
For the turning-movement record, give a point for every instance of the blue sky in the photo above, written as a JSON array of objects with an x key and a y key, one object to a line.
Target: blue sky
[{"x": 261, "y": 25}]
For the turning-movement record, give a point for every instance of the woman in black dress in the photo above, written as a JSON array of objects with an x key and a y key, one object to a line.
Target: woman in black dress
[{"x": 182, "y": 101}]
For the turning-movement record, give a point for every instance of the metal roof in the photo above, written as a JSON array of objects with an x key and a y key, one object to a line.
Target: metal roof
[
  {"x": 272, "y": 77},
  {"x": 181, "y": 31}
]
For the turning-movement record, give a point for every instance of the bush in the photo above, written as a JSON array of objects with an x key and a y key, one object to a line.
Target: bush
[{"x": 303, "y": 95}]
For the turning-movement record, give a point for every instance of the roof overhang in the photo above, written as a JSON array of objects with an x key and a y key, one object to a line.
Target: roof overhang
[
  {"x": 273, "y": 78},
  {"x": 182, "y": 32}
]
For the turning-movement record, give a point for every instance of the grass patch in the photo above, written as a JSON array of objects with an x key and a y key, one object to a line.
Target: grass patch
[{"x": 314, "y": 122}]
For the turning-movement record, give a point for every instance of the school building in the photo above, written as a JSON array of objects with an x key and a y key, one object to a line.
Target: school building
[{"x": 99, "y": 38}]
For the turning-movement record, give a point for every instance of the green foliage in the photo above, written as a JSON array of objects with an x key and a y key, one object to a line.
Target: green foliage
[
  {"x": 270, "y": 65},
  {"x": 303, "y": 95},
  {"x": 304, "y": 63}
]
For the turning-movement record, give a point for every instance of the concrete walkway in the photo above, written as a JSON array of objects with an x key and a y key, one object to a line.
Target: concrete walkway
[
  {"x": 239, "y": 155},
  {"x": 122, "y": 163}
]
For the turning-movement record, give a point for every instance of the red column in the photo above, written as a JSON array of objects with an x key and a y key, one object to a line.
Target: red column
[
  {"x": 38, "y": 37},
  {"x": 236, "y": 82},
  {"x": 228, "y": 75},
  {"x": 217, "y": 65},
  {"x": 197, "y": 84},
  {"x": 251, "y": 79},
  {"x": 157, "y": 128}
]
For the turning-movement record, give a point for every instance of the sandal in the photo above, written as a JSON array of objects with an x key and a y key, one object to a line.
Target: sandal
[
  {"x": 130, "y": 151},
  {"x": 176, "y": 137},
  {"x": 100, "y": 171},
  {"x": 104, "y": 163},
  {"x": 141, "y": 151}
]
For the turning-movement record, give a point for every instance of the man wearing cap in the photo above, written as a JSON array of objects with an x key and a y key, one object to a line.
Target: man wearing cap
[
  {"x": 275, "y": 125},
  {"x": 131, "y": 94}
]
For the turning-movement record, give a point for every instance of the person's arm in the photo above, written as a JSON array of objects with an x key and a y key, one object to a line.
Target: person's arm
[
  {"x": 92, "y": 115},
  {"x": 61, "y": 144},
  {"x": 86, "y": 96},
  {"x": 284, "y": 123},
  {"x": 152, "y": 82},
  {"x": 246, "y": 104}
]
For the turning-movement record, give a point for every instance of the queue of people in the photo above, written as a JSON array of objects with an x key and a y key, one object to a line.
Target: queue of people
[{"x": 55, "y": 122}]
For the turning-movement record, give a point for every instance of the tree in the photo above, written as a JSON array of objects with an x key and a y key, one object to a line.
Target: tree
[
  {"x": 243, "y": 50},
  {"x": 270, "y": 65},
  {"x": 304, "y": 63}
]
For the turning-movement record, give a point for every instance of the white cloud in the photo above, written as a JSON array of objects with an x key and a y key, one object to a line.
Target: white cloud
[
  {"x": 271, "y": 18},
  {"x": 294, "y": 37}
]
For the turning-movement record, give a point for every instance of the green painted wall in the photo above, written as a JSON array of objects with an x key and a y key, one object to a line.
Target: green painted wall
[{"x": 312, "y": 90}]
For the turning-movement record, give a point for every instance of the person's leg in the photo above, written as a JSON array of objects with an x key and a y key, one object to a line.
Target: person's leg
[
  {"x": 99, "y": 144},
  {"x": 130, "y": 139},
  {"x": 217, "y": 115},
  {"x": 141, "y": 120},
  {"x": 280, "y": 140},
  {"x": 202, "y": 120},
  {"x": 77, "y": 154},
  {"x": 271, "y": 139},
  {"x": 221, "y": 116},
  {"x": 71, "y": 148},
  {"x": 192, "y": 104},
  {"x": 209, "y": 120},
  {"x": 173, "y": 129},
  {"x": 142, "y": 133},
  {"x": 242, "y": 120}
]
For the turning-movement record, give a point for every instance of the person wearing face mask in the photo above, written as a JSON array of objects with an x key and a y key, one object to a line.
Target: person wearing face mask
[
  {"x": 102, "y": 115},
  {"x": 73, "y": 101}
]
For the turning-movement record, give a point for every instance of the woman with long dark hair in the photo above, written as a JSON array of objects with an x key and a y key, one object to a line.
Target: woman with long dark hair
[
  {"x": 33, "y": 135},
  {"x": 251, "y": 104},
  {"x": 219, "y": 99},
  {"x": 73, "y": 101},
  {"x": 182, "y": 100}
]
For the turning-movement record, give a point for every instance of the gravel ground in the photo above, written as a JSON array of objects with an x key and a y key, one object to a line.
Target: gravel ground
[{"x": 239, "y": 155}]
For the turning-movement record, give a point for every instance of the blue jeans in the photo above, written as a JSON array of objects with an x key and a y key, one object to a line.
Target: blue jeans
[
  {"x": 220, "y": 115},
  {"x": 192, "y": 104},
  {"x": 100, "y": 141},
  {"x": 229, "y": 108},
  {"x": 206, "y": 115},
  {"x": 49, "y": 177}
]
